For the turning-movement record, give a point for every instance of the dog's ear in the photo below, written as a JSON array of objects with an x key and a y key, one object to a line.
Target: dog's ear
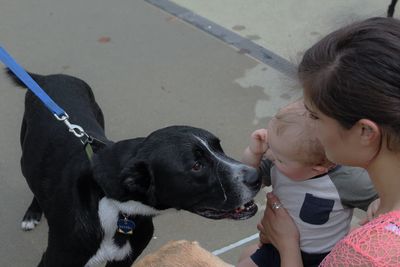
[
  {"x": 137, "y": 177},
  {"x": 138, "y": 182},
  {"x": 122, "y": 177}
]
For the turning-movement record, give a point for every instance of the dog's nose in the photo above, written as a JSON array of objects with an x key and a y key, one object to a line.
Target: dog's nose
[{"x": 251, "y": 177}]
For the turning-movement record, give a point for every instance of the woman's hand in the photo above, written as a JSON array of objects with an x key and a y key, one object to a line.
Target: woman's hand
[{"x": 278, "y": 228}]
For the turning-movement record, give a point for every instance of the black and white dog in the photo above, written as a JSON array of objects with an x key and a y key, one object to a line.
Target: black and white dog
[{"x": 101, "y": 210}]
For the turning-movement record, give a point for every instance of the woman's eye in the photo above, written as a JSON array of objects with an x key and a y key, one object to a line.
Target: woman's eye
[{"x": 197, "y": 166}]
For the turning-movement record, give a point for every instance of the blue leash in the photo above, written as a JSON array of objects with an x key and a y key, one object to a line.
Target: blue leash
[
  {"x": 58, "y": 112},
  {"x": 30, "y": 83}
]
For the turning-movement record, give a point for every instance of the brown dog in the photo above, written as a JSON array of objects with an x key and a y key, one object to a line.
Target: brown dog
[{"x": 181, "y": 253}]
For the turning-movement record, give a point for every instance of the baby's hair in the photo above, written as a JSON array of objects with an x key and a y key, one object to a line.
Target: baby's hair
[
  {"x": 354, "y": 73},
  {"x": 305, "y": 143}
]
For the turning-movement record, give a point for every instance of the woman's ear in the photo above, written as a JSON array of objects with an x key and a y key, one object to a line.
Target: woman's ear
[{"x": 369, "y": 132}]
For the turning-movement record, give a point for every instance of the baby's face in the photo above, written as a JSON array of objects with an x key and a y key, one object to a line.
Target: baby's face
[{"x": 281, "y": 150}]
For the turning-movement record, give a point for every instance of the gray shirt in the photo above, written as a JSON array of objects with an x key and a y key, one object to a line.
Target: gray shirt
[{"x": 322, "y": 207}]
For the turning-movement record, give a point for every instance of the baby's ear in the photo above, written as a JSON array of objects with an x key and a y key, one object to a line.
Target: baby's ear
[{"x": 319, "y": 169}]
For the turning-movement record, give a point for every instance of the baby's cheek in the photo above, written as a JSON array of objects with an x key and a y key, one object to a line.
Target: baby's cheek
[{"x": 268, "y": 155}]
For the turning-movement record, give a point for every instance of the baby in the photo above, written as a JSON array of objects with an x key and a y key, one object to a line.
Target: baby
[{"x": 319, "y": 195}]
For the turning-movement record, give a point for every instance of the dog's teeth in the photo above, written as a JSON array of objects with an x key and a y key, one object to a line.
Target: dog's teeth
[{"x": 249, "y": 206}]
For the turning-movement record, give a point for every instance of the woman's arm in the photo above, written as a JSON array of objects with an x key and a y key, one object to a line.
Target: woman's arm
[{"x": 291, "y": 257}]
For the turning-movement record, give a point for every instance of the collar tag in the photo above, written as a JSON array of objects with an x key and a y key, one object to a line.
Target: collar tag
[{"x": 125, "y": 225}]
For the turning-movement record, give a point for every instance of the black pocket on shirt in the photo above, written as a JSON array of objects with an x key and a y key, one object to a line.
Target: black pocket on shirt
[{"x": 316, "y": 210}]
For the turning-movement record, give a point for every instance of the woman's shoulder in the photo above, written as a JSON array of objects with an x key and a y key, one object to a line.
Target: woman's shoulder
[
  {"x": 385, "y": 222},
  {"x": 378, "y": 228},
  {"x": 376, "y": 243}
]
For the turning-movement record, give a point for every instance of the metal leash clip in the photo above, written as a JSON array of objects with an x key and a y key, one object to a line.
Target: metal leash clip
[
  {"x": 78, "y": 131},
  {"x": 73, "y": 128}
]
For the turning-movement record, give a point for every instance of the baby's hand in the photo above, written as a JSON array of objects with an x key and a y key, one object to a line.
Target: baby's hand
[
  {"x": 258, "y": 145},
  {"x": 259, "y": 141},
  {"x": 372, "y": 209}
]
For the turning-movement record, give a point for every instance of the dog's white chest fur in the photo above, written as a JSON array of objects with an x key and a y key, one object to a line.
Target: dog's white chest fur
[{"x": 109, "y": 210}]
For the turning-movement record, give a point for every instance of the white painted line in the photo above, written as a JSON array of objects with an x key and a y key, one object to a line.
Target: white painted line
[{"x": 235, "y": 245}]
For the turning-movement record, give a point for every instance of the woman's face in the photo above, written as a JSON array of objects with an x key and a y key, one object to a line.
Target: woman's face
[{"x": 340, "y": 144}]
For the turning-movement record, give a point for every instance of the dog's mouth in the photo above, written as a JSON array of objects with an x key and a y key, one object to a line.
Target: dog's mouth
[{"x": 242, "y": 213}]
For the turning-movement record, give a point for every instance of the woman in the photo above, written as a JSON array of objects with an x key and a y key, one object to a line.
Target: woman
[{"x": 351, "y": 81}]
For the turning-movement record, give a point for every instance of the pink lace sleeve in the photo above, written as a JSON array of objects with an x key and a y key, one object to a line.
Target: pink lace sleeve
[{"x": 375, "y": 244}]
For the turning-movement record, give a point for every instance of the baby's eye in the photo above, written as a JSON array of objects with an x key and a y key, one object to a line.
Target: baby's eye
[{"x": 312, "y": 116}]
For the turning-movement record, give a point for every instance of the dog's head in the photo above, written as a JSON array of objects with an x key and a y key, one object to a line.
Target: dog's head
[{"x": 178, "y": 167}]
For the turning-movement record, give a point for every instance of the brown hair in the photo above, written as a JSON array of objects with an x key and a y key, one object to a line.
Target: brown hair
[{"x": 354, "y": 73}]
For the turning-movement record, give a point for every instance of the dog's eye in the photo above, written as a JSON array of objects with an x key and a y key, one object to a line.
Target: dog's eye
[{"x": 197, "y": 166}]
